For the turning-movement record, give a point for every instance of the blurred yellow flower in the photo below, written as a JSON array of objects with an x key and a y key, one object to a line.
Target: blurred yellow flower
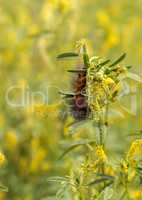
[
  {"x": 33, "y": 30},
  {"x": 2, "y": 159},
  {"x": 113, "y": 39},
  {"x": 2, "y": 195},
  {"x": 22, "y": 83},
  {"x": 11, "y": 140},
  {"x": 136, "y": 194},
  {"x": 103, "y": 18},
  {"x": 65, "y": 5},
  {"x": 8, "y": 56},
  {"x": 50, "y": 8},
  {"x": 43, "y": 110},
  {"x": 37, "y": 159}
]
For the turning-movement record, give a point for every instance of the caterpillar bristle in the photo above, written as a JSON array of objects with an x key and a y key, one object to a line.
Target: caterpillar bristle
[{"x": 77, "y": 71}]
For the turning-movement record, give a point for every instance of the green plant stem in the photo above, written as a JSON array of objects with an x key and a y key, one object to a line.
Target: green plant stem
[
  {"x": 81, "y": 197},
  {"x": 106, "y": 120},
  {"x": 101, "y": 139},
  {"x": 106, "y": 117},
  {"x": 123, "y": 195},
  {"x": 101, "y": 132}
]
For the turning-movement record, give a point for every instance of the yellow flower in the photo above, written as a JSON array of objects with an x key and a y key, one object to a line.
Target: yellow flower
[
  {"x": 44, "y": 110},
  {"x": 2, "y": 159},
  {"x": 116, "y": 88},
  {"x": 113, "y": 39},
  {"x": 135, "y": 150},
  {"x": 22, "y": 83},
  {"x": 65, "y": 5},
  {"x": 38, "y": 157},
  {"x": 109, "y": 81},
  {"x": 103, "y": 18},
  {"x": 11, "y": 140},
  {"x": 132, "y": 175},
  {"x": 124, "y": 166},
  {"x": 2, "y": 195},
  {"x": 100, "y": 153},
  {"x": 33, "y": 30},
  {"x": 40, "y": 110},
  {"x": 136, "y": 194},
  {"x": 109, "y": 86},
  {"x": 109, "y": 170}
]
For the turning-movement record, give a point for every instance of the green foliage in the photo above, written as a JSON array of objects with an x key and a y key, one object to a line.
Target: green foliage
[
  {"x": 77, "y": 144},
  {"x": 32, "y": 34},
  {"x": 67, "y": 55}
]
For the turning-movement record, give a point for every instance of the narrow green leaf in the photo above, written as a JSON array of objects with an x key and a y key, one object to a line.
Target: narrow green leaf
[
  {"x": 106, "y": 176},
  {"x": 85, "y": 57},
  {"x": 135, "y": 134},
  {"x": 75, "y": 145},
  {"x": 99, "y": 66},
  {"x": 69, "y": 149},
  {"x": 67, "y": 55},
  {"x": 108, "y": 192},
  {"x": 118, "y": 60},
  {"x": 68, "y": 94},
  {"x": 77, "y": 70},
  {"x": 104, "y": 63},
  {"x": 134, "y": 77},
  {"x": 97, "y": 181},
  {"x": 139, "y": 168},
  {"x": 57, "y": 179},
  {"x": 3, "y": 188},
  {"x": 129, "y": 67}
]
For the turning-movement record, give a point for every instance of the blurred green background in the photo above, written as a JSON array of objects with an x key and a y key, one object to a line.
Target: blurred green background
[{"x": 32, "y": 34}]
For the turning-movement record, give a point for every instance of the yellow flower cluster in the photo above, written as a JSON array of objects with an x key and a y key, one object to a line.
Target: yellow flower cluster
[
  {"x": 39, "y": 154},
  {"x": 135, "y": 150},
  {"x": 63, "y": 6},
  {"x": 112, "y": 35},
  {"x": 37, "y": 159},
  {"x": 100, "y": 154},
  {"x": 101, "y": 90}
]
